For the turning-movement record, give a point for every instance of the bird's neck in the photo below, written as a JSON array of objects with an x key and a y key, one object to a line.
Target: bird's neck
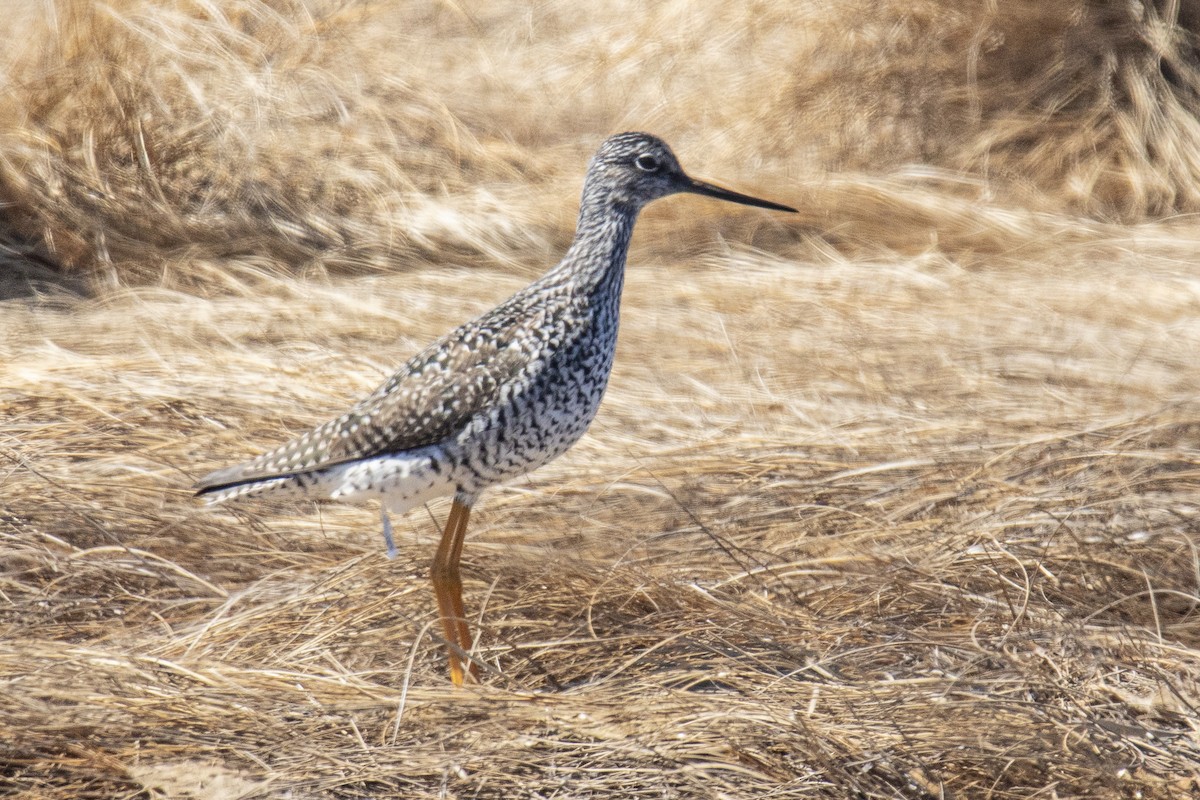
[{"x": 595, "y": 262}]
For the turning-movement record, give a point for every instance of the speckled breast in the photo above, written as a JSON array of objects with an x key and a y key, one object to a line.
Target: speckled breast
[{"x": 543, "y": 417}]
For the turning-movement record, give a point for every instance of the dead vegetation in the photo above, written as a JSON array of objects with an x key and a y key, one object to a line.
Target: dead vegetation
[{"x": 896, "y": 501}]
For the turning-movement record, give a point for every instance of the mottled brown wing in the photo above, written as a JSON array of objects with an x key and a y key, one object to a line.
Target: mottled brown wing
[{"x": 431, "y": 397}]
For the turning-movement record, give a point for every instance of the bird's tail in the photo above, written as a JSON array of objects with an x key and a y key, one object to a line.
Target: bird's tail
[{"x": 218, "y": 492}]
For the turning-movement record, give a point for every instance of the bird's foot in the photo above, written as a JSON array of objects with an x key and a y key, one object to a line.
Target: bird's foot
[{"x": 387, "y": 535}]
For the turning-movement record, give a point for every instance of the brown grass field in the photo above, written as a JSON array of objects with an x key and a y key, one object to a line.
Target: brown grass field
[{"x": 898, "y": 497}]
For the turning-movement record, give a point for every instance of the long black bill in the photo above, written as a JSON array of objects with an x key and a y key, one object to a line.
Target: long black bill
[{"x": 707, "y": 189}]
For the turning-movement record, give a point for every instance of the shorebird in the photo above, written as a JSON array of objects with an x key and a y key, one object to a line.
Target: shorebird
[{"x": 493, "y": 399}]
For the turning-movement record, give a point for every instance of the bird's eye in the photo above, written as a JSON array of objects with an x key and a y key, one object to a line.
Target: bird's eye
[{"x": 646, "y": 163}]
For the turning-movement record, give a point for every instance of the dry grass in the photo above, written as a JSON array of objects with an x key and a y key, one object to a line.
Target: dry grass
[{"x": 898, "y": 500}]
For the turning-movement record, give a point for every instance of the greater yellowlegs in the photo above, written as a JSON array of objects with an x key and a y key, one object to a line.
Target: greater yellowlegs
[{"x": 495, "y": 398}]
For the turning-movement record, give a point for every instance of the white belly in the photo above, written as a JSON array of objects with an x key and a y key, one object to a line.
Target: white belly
[{"x": 400, "y": 481}]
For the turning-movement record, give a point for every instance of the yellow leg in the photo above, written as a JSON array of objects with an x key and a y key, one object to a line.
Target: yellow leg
[{"x": 447, "y": 587}]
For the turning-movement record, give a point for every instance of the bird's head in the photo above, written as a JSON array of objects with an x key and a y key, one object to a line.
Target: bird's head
[{"x": 632, "y": 169}]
